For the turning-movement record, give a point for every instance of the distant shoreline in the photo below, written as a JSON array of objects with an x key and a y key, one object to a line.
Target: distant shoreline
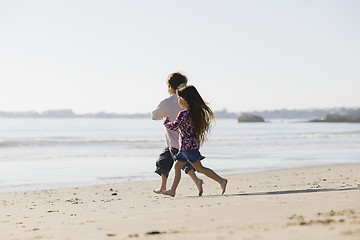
[{"x": 310, "y": 114}]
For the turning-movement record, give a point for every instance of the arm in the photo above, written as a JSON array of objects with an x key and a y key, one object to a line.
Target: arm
[
  {"x": 180, "y": 119},
  {"x": 158, "y": 113}
]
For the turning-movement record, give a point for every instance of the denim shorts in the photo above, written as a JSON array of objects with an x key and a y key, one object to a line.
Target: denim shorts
[
  {"x": 190, "y": 156},
  {"x": 166, "y": 161}
]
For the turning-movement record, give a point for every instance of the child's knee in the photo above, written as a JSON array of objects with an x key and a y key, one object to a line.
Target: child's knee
[
  {"x": 198, "y": 168},
  {"x": 178, "y": 166}
]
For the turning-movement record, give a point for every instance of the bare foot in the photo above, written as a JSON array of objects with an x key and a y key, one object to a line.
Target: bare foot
[
  {"x": 199, "y": 186},
  {"x": 168, "y": 192},
  {"x": 158, "y": 191},
  {"x": 223, "y": 185}
]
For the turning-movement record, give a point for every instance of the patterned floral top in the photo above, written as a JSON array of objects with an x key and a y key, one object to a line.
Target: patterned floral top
[{"x": 188, "y": 138}]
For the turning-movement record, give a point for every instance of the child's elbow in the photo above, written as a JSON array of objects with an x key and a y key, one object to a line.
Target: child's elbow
[{"x": 155, "y": 116}]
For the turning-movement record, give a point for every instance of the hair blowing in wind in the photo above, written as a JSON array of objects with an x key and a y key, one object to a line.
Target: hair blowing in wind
[{"x": 201, "y": 115}]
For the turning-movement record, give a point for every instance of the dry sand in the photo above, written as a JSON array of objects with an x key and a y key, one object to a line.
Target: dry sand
[{"x": 305, "y": 203}]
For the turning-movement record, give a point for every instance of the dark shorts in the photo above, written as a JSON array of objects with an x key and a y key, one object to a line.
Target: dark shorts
[
  {"x": 189, "y": 156},
  {"x": 166, "y": 161}
]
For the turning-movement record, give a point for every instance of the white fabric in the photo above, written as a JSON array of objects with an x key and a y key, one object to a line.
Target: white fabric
[{"x": 169, "y": 107}]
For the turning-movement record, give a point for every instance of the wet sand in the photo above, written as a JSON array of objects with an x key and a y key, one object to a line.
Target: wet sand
[{"x": 303, "y": 203}]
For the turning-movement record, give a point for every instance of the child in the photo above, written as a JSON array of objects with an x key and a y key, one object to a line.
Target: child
[
  {"x": 193, "y": 123},
  {"x": 170, "y": 107}
]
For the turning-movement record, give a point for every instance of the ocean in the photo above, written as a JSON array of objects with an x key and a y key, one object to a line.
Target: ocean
[{"x": 38, "y": 154}]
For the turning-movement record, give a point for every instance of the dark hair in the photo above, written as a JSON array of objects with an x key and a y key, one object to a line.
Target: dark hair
[
  {"x": 201, "y": 115},
  {"x": 176, "y": 79}
]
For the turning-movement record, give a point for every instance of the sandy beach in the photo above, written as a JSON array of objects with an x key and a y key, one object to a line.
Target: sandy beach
[{"x": 303, "y": 203}]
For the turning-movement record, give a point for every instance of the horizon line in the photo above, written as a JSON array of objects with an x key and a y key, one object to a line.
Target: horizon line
[{"x": 71, "y": 111}]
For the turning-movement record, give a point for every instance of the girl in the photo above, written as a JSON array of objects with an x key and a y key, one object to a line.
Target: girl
[
  {"x": 170, "y": 107},
  {"x": 194, "y": 123}
]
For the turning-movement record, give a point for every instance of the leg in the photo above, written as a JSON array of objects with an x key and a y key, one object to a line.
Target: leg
[
  {"x": 211, "y": 174},
  {"x": 198, "y": 182},
  {"x": 177, "y": 177},
  {"x": 162, "y": 185},
  {"x": 163, "y": 167}
]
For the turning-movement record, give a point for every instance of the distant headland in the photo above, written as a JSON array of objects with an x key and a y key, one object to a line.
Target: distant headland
[
  {"x": 314, "y": 115},
  {"x": 68, "y": 113}
]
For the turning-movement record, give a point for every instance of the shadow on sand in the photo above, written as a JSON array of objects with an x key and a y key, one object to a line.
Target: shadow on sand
[
  {"x": 286, "y": 192},
  {"x": 294, "y": 191}
]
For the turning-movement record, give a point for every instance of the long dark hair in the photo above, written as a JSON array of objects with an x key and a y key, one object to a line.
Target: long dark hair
[{"x": 200, "y": 113}]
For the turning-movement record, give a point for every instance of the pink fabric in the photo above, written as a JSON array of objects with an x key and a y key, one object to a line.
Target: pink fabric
[{"x": 188, "y": 138}]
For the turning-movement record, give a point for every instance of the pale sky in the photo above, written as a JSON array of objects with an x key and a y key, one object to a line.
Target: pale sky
[{"x": 114, "y": 56}]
